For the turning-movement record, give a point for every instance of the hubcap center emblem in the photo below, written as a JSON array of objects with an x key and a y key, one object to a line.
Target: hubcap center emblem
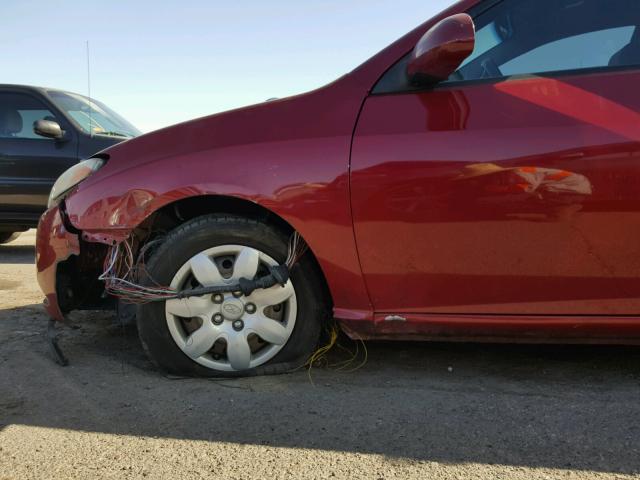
[{"x": 232, "y": 309}]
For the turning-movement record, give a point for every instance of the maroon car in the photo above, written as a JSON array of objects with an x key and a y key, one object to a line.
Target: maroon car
[{"x": 479, "y": 179}]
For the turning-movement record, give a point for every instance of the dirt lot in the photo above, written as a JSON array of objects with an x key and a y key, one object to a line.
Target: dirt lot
[{"x": 413, "y": 411}]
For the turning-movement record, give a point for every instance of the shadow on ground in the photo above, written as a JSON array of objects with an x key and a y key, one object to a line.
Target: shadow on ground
[{"x": 537, "y": 406}]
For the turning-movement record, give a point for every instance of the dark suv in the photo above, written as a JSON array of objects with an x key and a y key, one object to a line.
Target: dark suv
[{"x": 42, "y": 133}]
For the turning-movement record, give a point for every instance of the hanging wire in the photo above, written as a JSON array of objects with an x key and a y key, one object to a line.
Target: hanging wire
[
  {"x": 321, "y": 357},
  {"x": 121, "y": 276},
  {"x": 297, "y": 248},
  {"x": 123, "y": 271}
]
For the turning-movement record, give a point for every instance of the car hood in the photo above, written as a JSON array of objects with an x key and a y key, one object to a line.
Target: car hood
[{"x": 301, "y": 116}]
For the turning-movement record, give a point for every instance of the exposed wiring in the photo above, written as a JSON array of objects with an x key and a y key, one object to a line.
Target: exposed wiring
[
  {"x": 320, "y": 358},
  {"x": 121, "y": 274},
  {"x": 123, "y": 271},
  {"x": 297, "y": 248}
]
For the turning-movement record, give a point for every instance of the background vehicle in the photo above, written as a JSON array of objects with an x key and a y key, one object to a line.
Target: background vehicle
[
  {"x": 42, "y": 133},
  {"x": 477, "y": 181}
]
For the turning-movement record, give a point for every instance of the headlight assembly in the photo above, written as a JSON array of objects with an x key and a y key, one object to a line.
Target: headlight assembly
[{"x": 73, "y": 177}]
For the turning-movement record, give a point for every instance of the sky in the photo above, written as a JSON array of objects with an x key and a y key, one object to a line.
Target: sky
[{"x": 160, "y": 62}]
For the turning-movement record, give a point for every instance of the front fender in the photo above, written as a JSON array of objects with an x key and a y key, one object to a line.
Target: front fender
[{"x": 314, "y": 201}]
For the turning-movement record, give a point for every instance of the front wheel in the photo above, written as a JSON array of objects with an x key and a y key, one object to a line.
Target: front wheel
[
  {"x": 270, "y": 331},
  {"x": 6, "y": 237}
]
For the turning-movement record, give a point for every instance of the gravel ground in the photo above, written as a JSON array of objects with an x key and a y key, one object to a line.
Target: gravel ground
[{"x": 412, "y": 411}]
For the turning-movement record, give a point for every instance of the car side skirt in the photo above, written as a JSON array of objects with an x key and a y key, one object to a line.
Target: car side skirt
[{"x": 614, "y": 330}]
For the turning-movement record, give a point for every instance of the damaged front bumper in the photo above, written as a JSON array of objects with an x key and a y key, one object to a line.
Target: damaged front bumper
[
  {"x": 67, "y": 266},
  {"x": 54, "y": 244}
]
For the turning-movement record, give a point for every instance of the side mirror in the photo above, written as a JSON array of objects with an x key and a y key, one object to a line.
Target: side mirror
[
  {"x": 48, "y": 129},
  {"x": 441, "y": 50}
]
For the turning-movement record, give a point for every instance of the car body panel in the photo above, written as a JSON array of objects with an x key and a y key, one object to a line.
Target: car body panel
[
  {"x": 297, "y": 168},
  {"x": 515, "y": 197},
  {"x": 315, "y": 160},
  {"x": 305, "y": 143},
  {"x": 580, "y": 329},
  {"x": 28, "y": 169}
]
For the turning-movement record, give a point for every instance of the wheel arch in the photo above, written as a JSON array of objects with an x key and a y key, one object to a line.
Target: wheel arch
[{"x": 175, "y": 213}]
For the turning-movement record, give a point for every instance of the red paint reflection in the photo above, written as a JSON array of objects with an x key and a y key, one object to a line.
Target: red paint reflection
[{"x": 577, "y": 103}]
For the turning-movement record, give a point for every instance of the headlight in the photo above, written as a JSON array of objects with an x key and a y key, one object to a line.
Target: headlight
[{"x": 73, "y": 177}]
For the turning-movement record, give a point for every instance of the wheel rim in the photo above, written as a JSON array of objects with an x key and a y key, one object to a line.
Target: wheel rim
[{"x": 230, "y": 332}]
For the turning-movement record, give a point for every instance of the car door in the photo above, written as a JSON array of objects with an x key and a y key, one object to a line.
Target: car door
[
  {"x": 29, "y": 163},
  {"x": 513, "y": 187}
]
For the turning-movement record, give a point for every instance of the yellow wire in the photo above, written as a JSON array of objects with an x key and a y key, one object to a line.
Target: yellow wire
[
  {"x": 319, "y": 357},
  {"x": 364, "y": 360}
]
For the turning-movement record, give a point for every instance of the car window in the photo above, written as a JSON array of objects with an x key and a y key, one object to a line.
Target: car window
[
  {"x": 593, "y": 49},
  {"x": 523, "y": 37},
  {"x": 29, "y": 117},
  {"x": 18, "y": 113}
]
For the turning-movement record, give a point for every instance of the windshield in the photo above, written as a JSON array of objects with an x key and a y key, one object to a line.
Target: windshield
[{"x": 93, "y": 117}]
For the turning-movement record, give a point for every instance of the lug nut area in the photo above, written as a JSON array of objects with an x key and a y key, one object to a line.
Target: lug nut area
[
  {"x": 232, "y": 309},
  {"x": 218, "y": 298},
  {"x": 238, "y": 325}
]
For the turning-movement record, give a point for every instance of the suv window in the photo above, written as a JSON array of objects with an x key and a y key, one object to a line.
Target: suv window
[
  {"x": 92, "y": 116},
  {"x": 18, "y": 112},
  {"x": 524, "y": 37}
]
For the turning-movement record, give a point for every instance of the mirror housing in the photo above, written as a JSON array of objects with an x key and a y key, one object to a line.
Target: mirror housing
[
  {"x": 441, "y": 50},
  {"x": 48, "y": 129}
]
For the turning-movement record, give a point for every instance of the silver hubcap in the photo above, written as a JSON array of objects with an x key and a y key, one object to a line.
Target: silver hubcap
[{"x": 230, "y": 332}]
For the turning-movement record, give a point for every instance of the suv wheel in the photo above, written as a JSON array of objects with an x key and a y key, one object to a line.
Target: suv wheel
[{"x": 6, "y": 237}]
